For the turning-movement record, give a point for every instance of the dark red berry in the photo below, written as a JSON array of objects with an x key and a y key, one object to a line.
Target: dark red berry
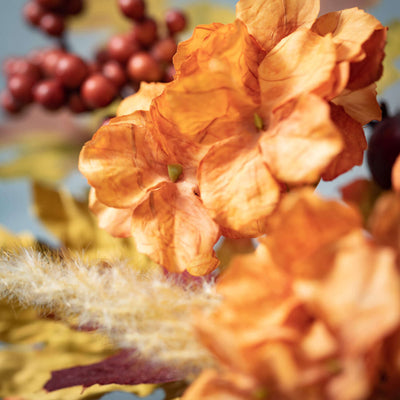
[
  {"x": 50, "y": 94},
  {"x": 21, "y": 66},
  {"x": 52, "y": 24},
  {"x": 134, "y": 9},
  {"x": 97, "y": 91},
  {"x": 33, "y": 12},
  {"x": 383, "y": 149},
  {"x": 164, "y": 50},
  {"x": 145, "y": 31},
  {"x": 71, "y": 70},
  {"x": 76, "y": 103},
  {"x": 74, "y": 7},
  {"x": 51, "y": 4},
  {"x": 169, "y": 73},
  {"x": 20, "y": 86},
  {"x": 121, "y": 47},
  {"x": 10, "y": 103},
  {"x": 143, "y": 67},
  {"x": 50, "y": 60},
  {"x": 115, "y": 73},
  {"x": 175, "y": 20}
]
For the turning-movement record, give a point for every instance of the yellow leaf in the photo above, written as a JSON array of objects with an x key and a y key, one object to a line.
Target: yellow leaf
[
  {"x": 391, "y": 74},
  {"x": 71, "y": 221},
  {"x": 9, "y": 240},
  {"x": 41, "y": 158}
]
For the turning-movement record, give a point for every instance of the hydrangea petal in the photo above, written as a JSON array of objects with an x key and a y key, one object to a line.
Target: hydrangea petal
[
  {"x": 270, "y": 21},
  {"x": 354, "y": 144},
  {"x": 122, "y": 161},
  {"x": 142, "y": 99},
  {"x": 302, "y": 62},
  {"x": 360, "y": 104},
  {"x": 236, "y": 185},
  {"x": 350, "y": 29},
  {"x": 116, "y": 221},
  {"x": 173, "y": 227},
  {"x": 301, "y": 142}
]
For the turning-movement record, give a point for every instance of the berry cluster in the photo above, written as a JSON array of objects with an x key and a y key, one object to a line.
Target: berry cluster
[
  {"x": 56, "y": 77},
  {"x": 49, "y": 15}
]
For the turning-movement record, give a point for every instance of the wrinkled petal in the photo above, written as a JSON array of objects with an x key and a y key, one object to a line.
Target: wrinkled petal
[
  {"x": 237, "y": 187},
  {"x": 301, "y": 142},
  {"x": 270, "y": 21},
  {"x": 369, "y": 70},
  {"x": 122, "y": 162},
  {"x": 360, "y": 104},
  {"x": 302, "y": 62},
  {"x": 354, "y": 144},
  {"x": 174, "y": 229},
  {"x": 216, "y": 87},
  {"x": 142, "y": 99},
  {"x": 367, "y": 309},
  {"x": 307, "y": 217},
  {"x": 116, "y": 221},
  {"x": 350, "y": 29}
]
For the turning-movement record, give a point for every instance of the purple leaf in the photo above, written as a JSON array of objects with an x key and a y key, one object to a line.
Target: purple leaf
[{"x": 124, "y": 368}]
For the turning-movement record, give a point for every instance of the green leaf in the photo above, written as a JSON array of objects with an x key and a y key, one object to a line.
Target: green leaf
[{"x": 206, "y": 12}]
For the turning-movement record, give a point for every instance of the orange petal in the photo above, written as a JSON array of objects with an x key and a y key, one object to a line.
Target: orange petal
[
  {"x": 303, "y": 62},
  {"x": 301, "y": 142},
  {"x": 360, "y": 104},
  {"x": 369, "y": 70},
  {"x": 237, "y": 187},
  {"x": 367, "y": 309},
  {"x": 122, "y": 162},
  {"x": 302, "y": 220},
  {"x": 215, "y": 88},
  {"x": 174, "y": 229},
  {"x": 396, "y": 175},
  {"x": 354, "y": 144},
  {"x": 142, "y": 99},
  {"x": 270, "y": 21},
  {"x": 116, "y": 221},
  {"x": 350, "y": 29}
]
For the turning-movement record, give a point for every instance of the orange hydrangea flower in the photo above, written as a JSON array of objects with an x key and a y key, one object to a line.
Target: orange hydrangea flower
[
  {"x": 302, "y": 324},
  {"x": 144, "y": 185},
  {"x": 278, "y": 96}
]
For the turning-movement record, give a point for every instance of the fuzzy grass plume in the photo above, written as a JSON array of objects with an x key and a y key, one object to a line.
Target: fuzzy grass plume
[{"x": 149, "y": 311}]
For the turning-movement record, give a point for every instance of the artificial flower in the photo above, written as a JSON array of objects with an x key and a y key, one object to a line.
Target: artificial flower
[
  {"x": 131, "y": 168},
  {"x": 305, "y": 316},
  {"x": 273, "y": 109}
]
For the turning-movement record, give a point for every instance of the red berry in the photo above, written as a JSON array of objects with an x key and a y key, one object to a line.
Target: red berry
[
  {"x": 71, "y": 70},
  {"x": 50, "y": 94},
  {"x": 383, "y": 149},
  {"x": 115, "y": 73},
  {"x": 76, "y": 104},
  {"x": 50, "y": 60},
  {"x": 52, "y": 24},
  {"x": 121, "y": 47},
  {"x": 9, "y": 103},
  {"x": 134, "y": 9},
  {"x": 33, "y": 12},
  {"x": 143, "y": 67},
  {"x": 97, "y": 91},
  {"x": 20, "y": 86},
  {"x": 169, "y": 73},
  {"x": 21, "y": 66},
  {"x": 164, "y": 50},
  {"x": 145, "y": 31},
  {"x": 51, "y": 4},
  {"x": 74, "y": 7},
  {"x": 175, "y": 20}
]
